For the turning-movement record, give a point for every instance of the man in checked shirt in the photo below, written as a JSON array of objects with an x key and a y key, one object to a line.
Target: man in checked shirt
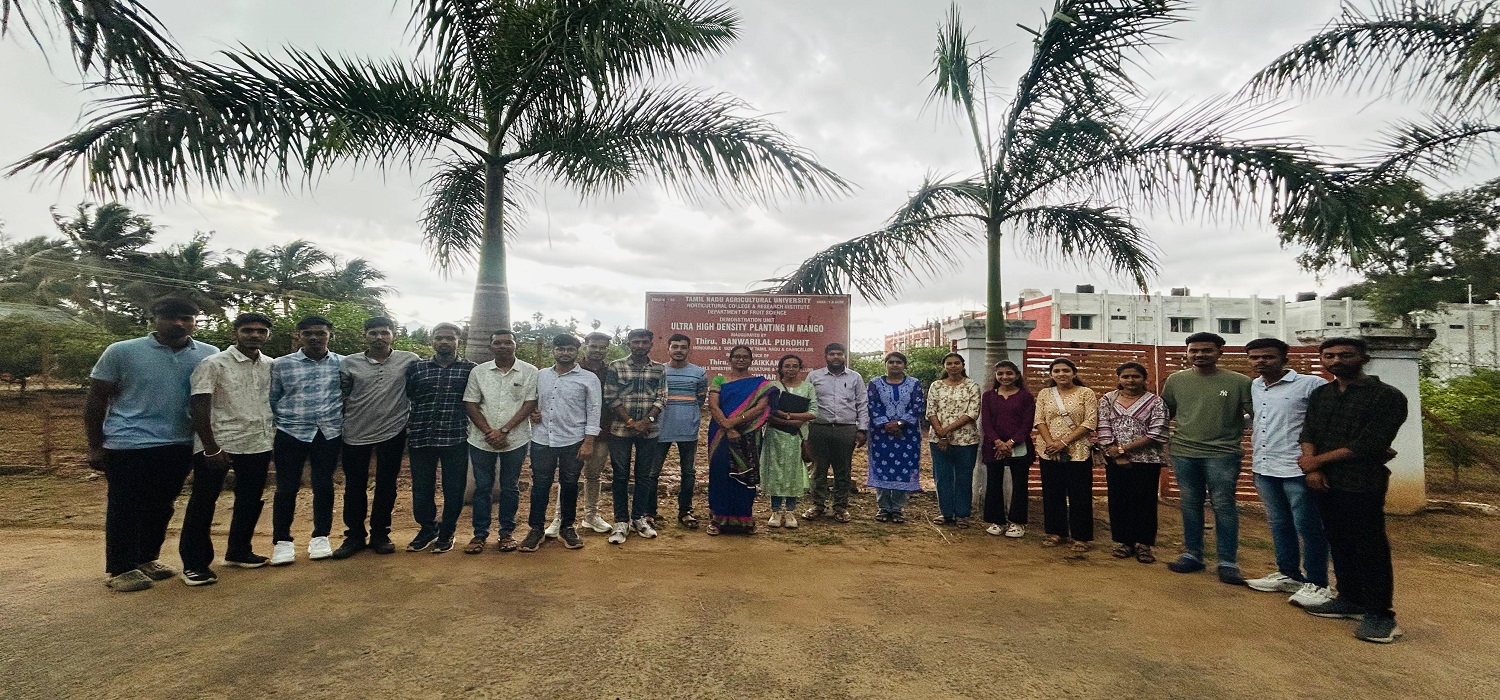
[
  {"x": 636, "y": 390},
  {"x": 438, "y": 434}
]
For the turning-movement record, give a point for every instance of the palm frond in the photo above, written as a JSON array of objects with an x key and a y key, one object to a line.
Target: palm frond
[
  {"x": 1427, "y": 48},
  {"x": 1441, "y": 145},
  {"x": 1093, "y": 236},
  {"x": 923, "y": 238},
  {"x": 453, "y": 217},
  {"x": 113, "y": 38}
]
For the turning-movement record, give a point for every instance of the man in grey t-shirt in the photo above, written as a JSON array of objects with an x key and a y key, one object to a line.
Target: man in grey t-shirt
[{"x": 375, "y": 414}]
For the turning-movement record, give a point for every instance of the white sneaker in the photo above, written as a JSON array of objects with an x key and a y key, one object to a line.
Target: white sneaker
[
  {"x": 597, "y": 524},
  {"x": 283, "y": 553},
  {"x": 319, "y": 548},
  {"x": 775, "y": 520},
  {"x": 554, "y": 529},
  {"x": 618, "y": 536},
  {"x": 1310, "y": 594},
  {"x": 1015, "y": 531},
  {"x": 789, "y": 520},
  {"x": 1275, "y": 582},
  {"x": 644, "y": 529},
  {"x": 994, "y": 529}
]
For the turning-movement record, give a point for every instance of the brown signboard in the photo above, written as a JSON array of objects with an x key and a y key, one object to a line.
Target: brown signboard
[{"x": 771, "y": 324}]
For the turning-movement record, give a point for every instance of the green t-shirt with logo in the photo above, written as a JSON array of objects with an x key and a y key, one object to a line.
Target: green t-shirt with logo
[{"x": 1210, "y": 410}]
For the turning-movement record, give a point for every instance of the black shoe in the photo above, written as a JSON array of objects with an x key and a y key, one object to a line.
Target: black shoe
[
  {"x": 199, "y": 577},
  {"x": 1186, "y": 564},
  {"x": 533, "y": 540},
  {"x": 383, "y": 547},
  {"x": 1380, "y": 630},
  {"x": 1336, "y": 609},
  {"x": 246, "y": 561},
  {"x": 442, "y": 544},
  {"x": 570, "y": 538},
  {"x": 423, "y": 540},
  {"x": 349, "y": 548},
  {"x": 1231, "y": 575}
]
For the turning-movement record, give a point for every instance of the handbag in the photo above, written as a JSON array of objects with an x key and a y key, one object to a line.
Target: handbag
[{"x": 791, "y": 403}]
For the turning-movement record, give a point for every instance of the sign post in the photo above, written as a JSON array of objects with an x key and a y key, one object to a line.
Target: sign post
[{"x": 772, "y": 325}]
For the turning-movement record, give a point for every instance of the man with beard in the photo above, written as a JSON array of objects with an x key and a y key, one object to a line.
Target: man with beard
[
  {"x": 1346, "y": 440},
  {"x": 843, "y": 413},
  {"x": 635, "y": 388},
  {"x": 595, "y": 351},
  {"x": 140, "y": 434},
  {"x": 569, "y": 401},
  {"x": 687, "y": 392},
  {"x": 437, "y": 434},
  {"x": 232, "y": 417}
]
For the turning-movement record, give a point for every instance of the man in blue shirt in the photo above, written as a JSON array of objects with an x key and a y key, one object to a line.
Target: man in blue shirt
[
  {"x": 308, "y": 406},
  {"x": 140, "y": 434},
  {"x": 687, "y": 391},
  {"x": 569, "y": 400}
]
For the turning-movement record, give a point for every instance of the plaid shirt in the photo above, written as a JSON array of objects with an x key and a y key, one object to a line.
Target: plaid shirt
[
  {"x": 306, "y": 397},
  {"x": 1363, "y": 418},
  {"x": 437, "y": 403},
  {"x": 638, "y": 388}
]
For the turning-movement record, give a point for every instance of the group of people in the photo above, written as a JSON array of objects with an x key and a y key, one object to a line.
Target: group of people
[{"x": 164, "y": 405}]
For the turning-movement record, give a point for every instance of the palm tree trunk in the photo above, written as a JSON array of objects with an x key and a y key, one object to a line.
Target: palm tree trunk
[
  {"x": 103, "y": 303},
  {"x": 995, "y": 348},
  {"x": 491, "y": 294}
]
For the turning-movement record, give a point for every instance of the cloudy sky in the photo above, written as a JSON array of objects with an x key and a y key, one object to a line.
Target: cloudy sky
[{"x": 845, "y": 78}]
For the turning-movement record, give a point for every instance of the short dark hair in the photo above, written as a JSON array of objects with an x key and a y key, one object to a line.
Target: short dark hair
[
  {"x": 1357, "y": 343},
  {"x": 564, "y": 340},
  {"x": 380, "y": 322},
  {"x": 252, "y": 317},
  {"x": 678, "y": 336},
  {"x": 596, "y": 335},
  {"x": 834, "y": 346},
  {"x": 174, "y": 306},
  {"x": 502, "y": 331},
  {"x": 640, "y": 333},
  {"x": 1275, "y": 343},
  {"x": 313, "y": 320},
  {"x": 964, "y": 372},
  {"x": 898, "y": 355},
  {"x": 781, "y": 363},
  {"x": 1206, "y": 337},
  {"x": 447, "y": 327}
]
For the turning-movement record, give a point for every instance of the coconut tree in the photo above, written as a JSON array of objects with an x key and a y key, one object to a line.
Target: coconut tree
[
  {"x": 1075, "y": 146},
  {"x": 106, "y": 240},
  {"x": 357, "y": 281},
  {"x": 108, "y": 38},
  {"x": 283, "y": 272},
  {"x": 565, "y": 91}
]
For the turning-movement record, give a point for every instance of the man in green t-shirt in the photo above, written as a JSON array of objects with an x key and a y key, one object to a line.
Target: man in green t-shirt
[{"x": 1211, "y": 406}]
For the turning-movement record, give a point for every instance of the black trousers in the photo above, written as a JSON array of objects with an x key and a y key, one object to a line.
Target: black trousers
[
  {"x": 547, "y": 464},
  {"x": 1355, "y": 525},
  {"x": 196, "y": 546},
  {"x": 356, "y": 461},
  {"x": 142, "y": 493},
  {"x": 1068, "y": 499},
  {"x": 995, "y": 510},
  {"x": 424, "y": 478},
  {"x": 1132, "y": 502},
  {"x": 290, "y": 456},
  {"x": 687, "y": 453},
  {"x": 832, "y": 448}
]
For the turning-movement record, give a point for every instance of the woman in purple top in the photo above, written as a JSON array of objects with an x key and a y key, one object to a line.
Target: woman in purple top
[
  {"x": 1006, "y": 414},
  {"x": 1133, "y": 431}
]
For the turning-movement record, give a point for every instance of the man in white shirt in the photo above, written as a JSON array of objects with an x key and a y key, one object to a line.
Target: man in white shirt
[
  {"x": 499, "y": 399},
  {"x": 1280, "y": 397},
  {"x": 568, "y": 399}
]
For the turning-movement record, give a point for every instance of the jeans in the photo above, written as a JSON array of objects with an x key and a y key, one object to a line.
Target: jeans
[
  {"x": 687, "y": 453},
  {"x": 995, "y": 510},
  {"x": 1132, "y": 502},
  {"x": 1355, "y": 525},
  {"x": 424, "y": 473},
  {"x": 562, "y": 464},
  {"x": 787, "y": 503},
  {"x": 647, "y": 460},
  {"x": 510, "y": 463},
  {"x": 891, "y": 500},
  {"x": 1293, "y": 513},
  {"x": 1068, "y": 499},
  {"x": 953, "y": 470},
  {"x": 356, "y": 479},
  {"x": 1217, "y": 476},
  {"x": 832, "y": 448},
  {"x": 142, "y": 493},
  {"x": 290, "y": 456},
  {"x": 196, "y": 546}
]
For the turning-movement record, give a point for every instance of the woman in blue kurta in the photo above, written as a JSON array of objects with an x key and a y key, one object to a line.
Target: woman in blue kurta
[
  {"x": 740, "y": 403},
  {"x": 897, "y": 404}
]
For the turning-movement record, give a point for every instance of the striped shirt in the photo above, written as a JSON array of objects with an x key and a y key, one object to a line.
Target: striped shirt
[
  {"x": 306, "y": 397},
  {"x": 437, "y": 403}
]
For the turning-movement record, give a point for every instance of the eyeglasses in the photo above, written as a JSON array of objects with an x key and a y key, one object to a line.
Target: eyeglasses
[{"x": 739, "y": 357}]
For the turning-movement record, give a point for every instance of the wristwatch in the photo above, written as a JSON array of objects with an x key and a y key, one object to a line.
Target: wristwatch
[{"x": 651, "y": 418}]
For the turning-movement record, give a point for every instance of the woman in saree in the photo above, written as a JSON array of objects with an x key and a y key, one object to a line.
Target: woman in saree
[{"x": 740, "y": 404}]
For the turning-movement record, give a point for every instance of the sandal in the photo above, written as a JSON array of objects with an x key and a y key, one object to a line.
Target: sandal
[
  {"x": 1052, "y": 540},
  {"x": 688, "y": 521},
  {"x": 898, "y": 518},
  {"x": 1081, "y": 547},
  {"x": 1122, "y": 551},
  {"x": 841, "y": 516},
  {"x": 1143, "y": 555},
  {"x": 962, "y": 524},
  {"x": 882, "y": 517},
  {"x": 476, "y": 546},
  {"x": 712, "y": 529},
  {"x": 940, "y": 520}
]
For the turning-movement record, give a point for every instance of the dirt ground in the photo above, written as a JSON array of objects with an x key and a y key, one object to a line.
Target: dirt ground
[{"x": 826, "y": 611}]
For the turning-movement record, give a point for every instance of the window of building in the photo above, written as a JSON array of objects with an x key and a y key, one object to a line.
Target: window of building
[
  {"x": 1182, "y": 325},
  {"x": 1117, "y": 318},
  {"x": 1080, "y": 323},
  {"x": 1334, "y": 323},
  {"x": 1229, "y": 326},
  {"x": 1456, "y": 326},
  {"x": 1268, "y": 322},
  {"x": 1371, "y": 324}
]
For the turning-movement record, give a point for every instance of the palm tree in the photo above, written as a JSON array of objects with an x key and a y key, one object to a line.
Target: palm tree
[
  {"x": 283, "y": 272},
  {"x": 24, "y": 276},
  {"x": 1073, "y": 147},
  {"x": 111, "y": 38},
  {"x": 106, "y": 241},
  {"x": 187, "y": 269},
  {"x": 562, "y": 90},
  {"x": 356, "y": 281}
]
